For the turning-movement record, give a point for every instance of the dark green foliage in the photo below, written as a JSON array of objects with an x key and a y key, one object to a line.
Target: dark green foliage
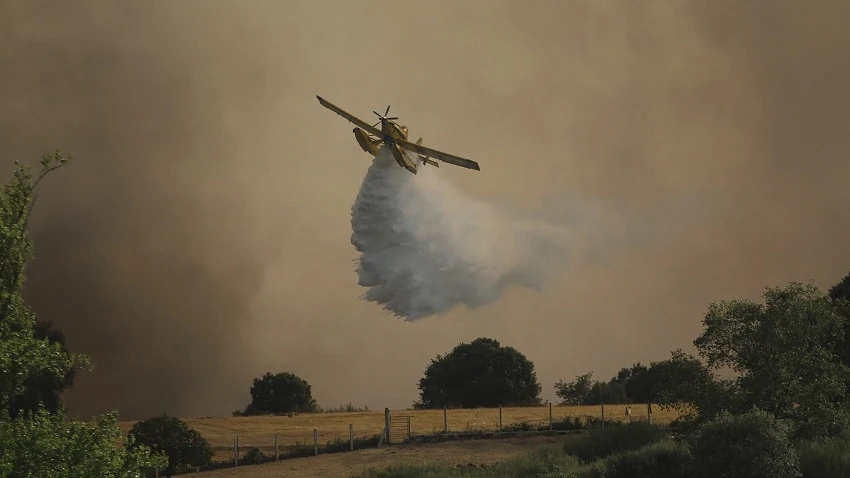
[
  {"x": 482, "y": 373},
  {"x": 614, "y": 438},
  {"x": 576, "y": 392},
  {"x": 681, "y": 378},
  {"x": 750, "y": 445},
  {"x": 584, "y": 391},
  {"x": 841, "y": 290},
  {"x": 664, "y": 459},
  {"x": 182, "y": 445},
  {"x": 254, "y": 456},
  {"x": 783, "y": 350},
  {"x": 44, "y": 389},
  {"x": 283, "y": 392},
  {"x": 821, "y": 424},
  {"x": 825, "y": 459}
]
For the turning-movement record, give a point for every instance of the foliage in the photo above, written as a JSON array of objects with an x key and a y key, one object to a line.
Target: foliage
[
  {"x": 347, "y": 408},
  {"x": 26, "y": 359},
  {"x": 46, "y": 445},
  {"x": 482, "y": 373},
  {"x": 44, "y": 389},
  {"x": 841, "y": 290},
  {"x": 825, "y": 459},
  {"x": 36, "y": 438},
  {"x": 679, "y": 379},
  {"x": 750, "y": 445},
  {"x": 782, "y": 350},
  {"x": 283, "y": 392},
  {"x": 545, "y": 462},
  {"x": 172, "y": 436},
  {"x": 663, "y": 459},
  {"x": 575, "y": 392},
  {"x": 614, "y": 439}
]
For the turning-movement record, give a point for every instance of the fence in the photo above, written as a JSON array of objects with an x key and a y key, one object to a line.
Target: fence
[{"x": 395, "y": 427}]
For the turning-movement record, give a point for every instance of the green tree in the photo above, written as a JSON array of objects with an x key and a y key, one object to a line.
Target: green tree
[
  {"x": 283, "y": 392},
  {"x": 44, "y": 390},
  {"x": 482, "y": 373},
  {"x": 576, "y": 392},
  {"x": 37, "y": 442},
  {"x": 586, "y": 391},
  {"x": 782, "y": 351},
  {"x": 172, "y": 436}
]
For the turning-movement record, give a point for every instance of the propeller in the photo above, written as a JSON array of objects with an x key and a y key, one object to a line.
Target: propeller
[{"x": 384, "y": 116}]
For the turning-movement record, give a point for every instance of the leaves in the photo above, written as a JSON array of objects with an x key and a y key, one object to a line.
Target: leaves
[{"x": 482, "y": 373}]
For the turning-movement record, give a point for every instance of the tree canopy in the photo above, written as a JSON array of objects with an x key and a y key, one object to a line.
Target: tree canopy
[
  {"x": 482, "y": 373},
  {"x": 182, "y": 445},
  {"x": 283, "y": 392},
  {"x": 783, "y": 350}
]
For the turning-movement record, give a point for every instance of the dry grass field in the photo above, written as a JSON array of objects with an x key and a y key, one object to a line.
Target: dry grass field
[{"x": 298, "y": 430}]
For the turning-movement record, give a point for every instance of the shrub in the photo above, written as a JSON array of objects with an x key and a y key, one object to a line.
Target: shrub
[
  {"x": 750, "y": 445},
  {"x": 664, "y": 459},
  {"x": 612, "y": 439},
  {"x": 825, "y": 423},
  {"x": 825, "y": 459}
]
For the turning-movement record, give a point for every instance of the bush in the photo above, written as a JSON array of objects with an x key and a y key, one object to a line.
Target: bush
[
  {"x": 825, "y": 459},
  {"x": 750, "y": 445},
  {"x": 613, "y": 439},
  {"x": 182, "y": 445},
  {"x": 664, "y": 459},
  {"x": 825, "y": 423}
]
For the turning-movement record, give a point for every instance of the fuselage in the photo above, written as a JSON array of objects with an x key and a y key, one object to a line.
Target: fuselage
[{"x": 392, "y": 132}]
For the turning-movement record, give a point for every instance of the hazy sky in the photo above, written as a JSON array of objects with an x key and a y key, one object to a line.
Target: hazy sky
[{"x": 202, "y": 236}]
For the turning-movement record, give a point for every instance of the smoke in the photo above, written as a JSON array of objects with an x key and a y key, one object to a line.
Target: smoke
[
  {"x": 671, "y": 153},
  {"x": 427, "y": 247}
]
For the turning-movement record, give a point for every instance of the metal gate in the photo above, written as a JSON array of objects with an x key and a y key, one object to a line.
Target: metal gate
[{"x": 399, "y": 428}]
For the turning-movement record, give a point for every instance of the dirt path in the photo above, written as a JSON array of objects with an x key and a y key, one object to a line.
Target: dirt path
[{"x": 343, "y": 465}]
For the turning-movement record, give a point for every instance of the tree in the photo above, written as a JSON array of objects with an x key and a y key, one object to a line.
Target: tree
[
  {"x": 576, "y": 392},
  {"x": 43, "y": 390},
  {"x": 783, "y": 350},
  {"x": 34, "y": 441},
  {"x": 284, "y": 392},
  {"x": 482, "y": 373},
  {"x": 172, "y": 436}
]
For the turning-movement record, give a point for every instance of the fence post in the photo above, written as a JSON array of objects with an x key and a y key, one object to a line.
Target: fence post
[
  {"x": 603, "y": 415},
  {"x": 550, "y": 415},
  {"x": 445, "y": 420},
  {"x": 236, "y": 451},
  {"x": 649, "y": 413},
  {"x": 500, "y": 418},
  {"x": 350, "y": 437},
  {"x": 387, "y": 422},
  {"x": 316, "y": 441},
  {"x": 276, "y": 449}
]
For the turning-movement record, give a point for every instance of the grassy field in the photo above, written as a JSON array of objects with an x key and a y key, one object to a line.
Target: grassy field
[{"x": 298, "y": 430}]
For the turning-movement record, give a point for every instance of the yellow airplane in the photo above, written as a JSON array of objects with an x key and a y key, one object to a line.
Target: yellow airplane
[{"x": 394, "y": 135}]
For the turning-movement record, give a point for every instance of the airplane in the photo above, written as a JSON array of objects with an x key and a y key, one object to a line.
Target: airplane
[{"x": 394, "y": 135}]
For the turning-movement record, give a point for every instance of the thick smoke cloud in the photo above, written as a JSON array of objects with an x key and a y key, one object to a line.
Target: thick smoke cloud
[
  {"x": 426, "y": 247},
  {"x": 692, "y": 151}
]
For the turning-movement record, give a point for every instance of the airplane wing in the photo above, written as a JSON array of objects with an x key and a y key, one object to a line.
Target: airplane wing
[
  {"x": 445, "y": 157},
  {"x": 359, "y": 122}
]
